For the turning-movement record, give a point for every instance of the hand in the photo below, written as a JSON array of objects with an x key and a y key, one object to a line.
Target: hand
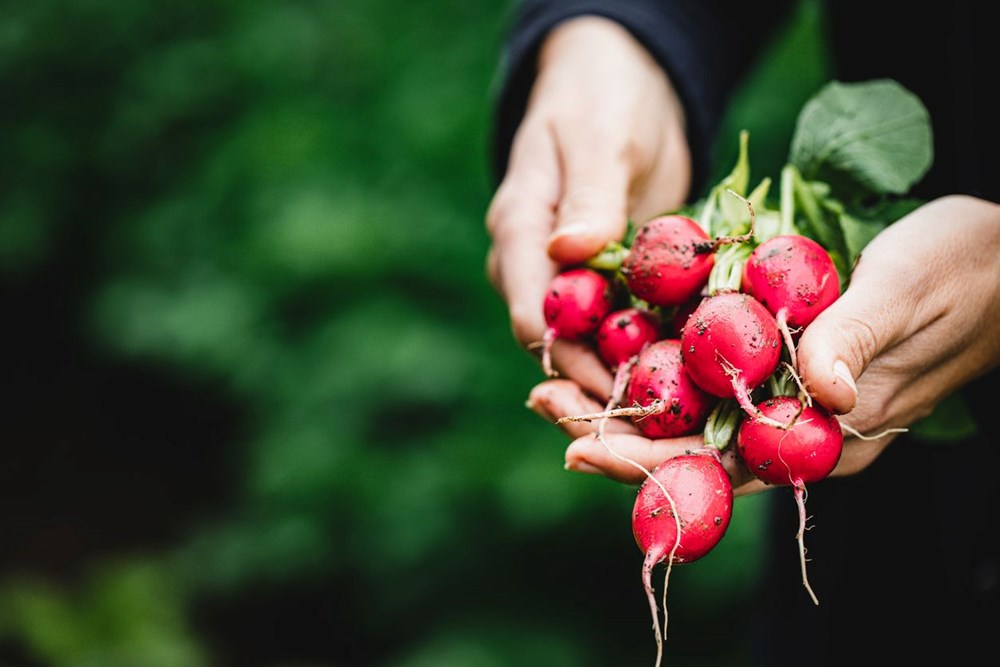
[
  {"x": 917, "y": 322},
  {"x": 602, "y": 141}
]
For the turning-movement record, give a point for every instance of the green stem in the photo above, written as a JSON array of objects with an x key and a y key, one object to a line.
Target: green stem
[
  {"x": 806, "y": 198},
  {"x": 727, "y": 274},
  {"x": 610, "y": 258},
  {"x": 788, "y": 177},
  {"x": 722, "y": 424}
]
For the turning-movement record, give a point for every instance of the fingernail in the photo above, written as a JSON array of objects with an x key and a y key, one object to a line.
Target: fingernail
[
  {"x": 574, "y": 229},
  {"x": 841, "y": 370},
  {"x": 584, "y": 467}
]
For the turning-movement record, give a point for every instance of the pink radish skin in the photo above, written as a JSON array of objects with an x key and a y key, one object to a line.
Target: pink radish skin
[
  {"x": 659, "y": 375},
  {"x": 681, "y": 513},
  {"x": 795, "y": 278},
  {"x": 576, "y": 302},
  {"x": 801, "y": 454},
  {"x": 792, "y": 275},
  {"x": 731, "y": 344},
  {"x": 806, "y": 452},
  {"x": 669, "y": 261},
  {"x": 623, "y": 334},
  {"x": 620, "y": 338}
]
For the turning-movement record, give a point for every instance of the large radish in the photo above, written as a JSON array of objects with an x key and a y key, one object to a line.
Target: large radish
[{"x": 681, "y": 513}]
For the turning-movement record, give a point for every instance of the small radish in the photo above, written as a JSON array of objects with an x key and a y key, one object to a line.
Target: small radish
[
  {"x": 622, "y": 335},
  {"x": 659, "y": 375},
  {"x": 805, "y": 451},
  {"x": 731, "y": 344},
  {"x": 795, "y": 278},
  {"x": 576, "y": 302},
  {"x": 681, "y": 513},
  {"x": 660, "y": 397},
  {"x": 669, "y": 260}
]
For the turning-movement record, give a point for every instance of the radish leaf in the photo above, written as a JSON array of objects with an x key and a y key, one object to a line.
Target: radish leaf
[{"x": 874, "y": 133}]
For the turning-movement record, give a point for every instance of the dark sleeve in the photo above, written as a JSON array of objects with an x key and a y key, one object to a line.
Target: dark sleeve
[{"x": 705, "y": 46}]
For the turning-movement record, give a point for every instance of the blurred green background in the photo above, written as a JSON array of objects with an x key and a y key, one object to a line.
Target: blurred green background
[{"x": 261, "y": 406}]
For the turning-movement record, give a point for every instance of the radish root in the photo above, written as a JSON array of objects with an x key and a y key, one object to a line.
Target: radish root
[
  {"x": 861, "y": 436},
  {"x": 650, "y": 560},
  {"x": 656, "y": 407},
  {"x": 800, "y": 500}
]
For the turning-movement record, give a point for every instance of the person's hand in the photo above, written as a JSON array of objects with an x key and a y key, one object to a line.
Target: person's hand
[
  {"x": 602, "y": 141},
  {"x": 919, "y": 320}
]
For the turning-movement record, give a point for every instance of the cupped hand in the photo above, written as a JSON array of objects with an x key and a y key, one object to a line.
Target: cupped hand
[
  {"x": 602, "y": 142},
  {"x": 919, "y": 319}
]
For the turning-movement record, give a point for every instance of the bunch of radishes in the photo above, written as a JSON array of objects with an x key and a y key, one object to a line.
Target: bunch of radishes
[
  {"x": 694, "y": 317},
  {"x": 698, "y": 312}
]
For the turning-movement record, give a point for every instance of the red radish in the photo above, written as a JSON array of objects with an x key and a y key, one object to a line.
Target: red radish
[
  {"x": 805, "y": 452},
  {"x": 681, "y": 513},
  {"x": 731, "y": 344},
  {"x": 659, "y": 375},
  {"x": 623, "y": 334},
  {"x": 669, "y": 260},
  {"x": 795, "y": 278},
  {"x": 576, "y": 302},
  {"x": 620, "y": 338}
]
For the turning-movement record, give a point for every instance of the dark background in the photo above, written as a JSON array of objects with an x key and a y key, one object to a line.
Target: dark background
[{"x": 260, "y": 404}]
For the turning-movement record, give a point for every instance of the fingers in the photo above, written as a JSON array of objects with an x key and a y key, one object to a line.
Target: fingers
[
  {"x": 519, "y": 220},
  {"x": 620, "y": 456},
  {"x": 555, "y": 399},
  {"x": 592, "y": 211},
  {"x": 891, "y": 299},
  {"x": 840, "y": 344},
  {"x": 624, "y": 455},
  {"x": 579, "y": 362}
]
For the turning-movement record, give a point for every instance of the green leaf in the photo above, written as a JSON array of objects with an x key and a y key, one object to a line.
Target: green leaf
[
  {"x": 722, "y": 212},
  {"x": 876, "y": 133},
  {"x": 862, "y": 225},
  {"x": 951, "y": 421}
]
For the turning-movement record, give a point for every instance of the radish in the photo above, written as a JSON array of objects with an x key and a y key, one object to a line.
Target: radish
[
  {"x": 659, "y": 375},
  {"x": 795, "y": 278},
  {"x": 730, "y": 345},
  {"x": 620, "y": 337},
  {"x": 669, "y": 260},
  {"x": 681, "y": 513},
  {"x": 623, "y": 333},
  {"x": 805, "y": 451},
  {"x": 672, "y": 256},
  {"x": 576, "y": 302}
]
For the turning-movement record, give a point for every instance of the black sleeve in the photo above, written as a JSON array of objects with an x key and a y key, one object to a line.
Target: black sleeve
[{"x": 705, "y": 46}]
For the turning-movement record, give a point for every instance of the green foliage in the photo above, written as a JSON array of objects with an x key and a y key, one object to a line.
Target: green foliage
[
  {"x": 283, "y": 202},
  {"x": 130, "y": 612},
  {"x": 875, "y": 132}
]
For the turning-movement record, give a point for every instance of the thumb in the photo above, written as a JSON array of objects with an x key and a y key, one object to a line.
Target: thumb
[
  {"x": 836, "y": 348},
  {"x": 592, "y": 211}
]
